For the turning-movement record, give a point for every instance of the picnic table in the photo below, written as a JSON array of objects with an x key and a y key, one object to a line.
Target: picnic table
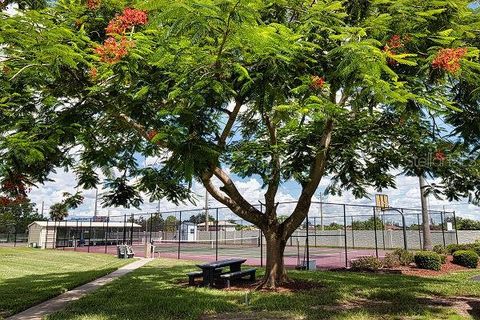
[{"x": 213, "y": 271}]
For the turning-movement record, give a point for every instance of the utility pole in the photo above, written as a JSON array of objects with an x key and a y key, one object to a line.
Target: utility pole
[
  {"x": 427, "y": 235},
  {"x": 96, "y": 202},
  {"x": 322, "y": 227},
  {"x": 43, "y": 203}
]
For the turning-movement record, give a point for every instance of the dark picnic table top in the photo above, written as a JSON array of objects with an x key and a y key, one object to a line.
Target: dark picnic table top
[{"x": 221, "y": 263}]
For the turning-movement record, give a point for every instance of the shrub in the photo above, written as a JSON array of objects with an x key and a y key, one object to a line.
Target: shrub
[
  {"x": 391, "y": 260},
  {"x": 405, "y": 257},
  {"x": 443, "y": 258},
  {"x": 428, "y": 260},
  {"x": 466, "y": 258},
  {"x": 440, "y": 249},
  {"x": 451, "y": 248},
  {"x": 368, "y": 263}
]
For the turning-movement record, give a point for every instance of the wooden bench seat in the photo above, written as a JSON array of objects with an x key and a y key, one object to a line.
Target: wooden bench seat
[{"x": 227, "y": 277}]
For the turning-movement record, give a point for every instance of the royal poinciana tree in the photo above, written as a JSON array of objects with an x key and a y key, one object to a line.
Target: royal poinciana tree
[{"x": 278, "y": 90}]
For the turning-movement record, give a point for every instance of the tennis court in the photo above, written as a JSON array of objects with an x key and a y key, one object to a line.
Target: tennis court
[{"x": 248, "y": 248}]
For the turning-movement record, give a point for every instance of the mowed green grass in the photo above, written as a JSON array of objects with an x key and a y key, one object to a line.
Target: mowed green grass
[
  {"x": 155, "y": 292},
  {"x": 30, "y": 276}
]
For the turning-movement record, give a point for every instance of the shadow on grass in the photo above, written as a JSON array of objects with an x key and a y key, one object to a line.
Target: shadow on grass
[
  {"x": 20, "y": 293},
  {"x": 153, "y": 292}
]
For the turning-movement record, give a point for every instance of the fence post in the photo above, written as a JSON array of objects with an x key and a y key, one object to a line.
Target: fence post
[
  {"x": 383, "y": 231},
  {"x": 179, "y": 234},
  {"x": 307, "y": 242},
  {"x": 75, "y": 236},
  {"x": 455, "y": 223},
  {"x": 89, "y": 235},
  {"x": 315, "y": 231},
  {"x": 375, "y": 230},
  {"x": 353, "y": 234},
  {"x": 151, "y": 226},
  {"x": 106, "y": 237},
  {"x": 442, "y": 216},
  {"x": 216, "y": 234},
  {"x": 65, "y": 236},
  {"x": 15, "y": 235},
  {"x": 124, "y": 229},
  {"x": 404, "y": 227},
  {"x": 131, "y": 230},
  {"x": 345, "y": 234}
]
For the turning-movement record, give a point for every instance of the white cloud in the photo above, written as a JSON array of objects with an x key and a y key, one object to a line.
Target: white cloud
[{"x": 406, "y": 195}]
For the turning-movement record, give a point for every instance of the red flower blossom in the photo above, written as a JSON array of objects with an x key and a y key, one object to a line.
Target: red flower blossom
[
  {"x": 93, "y": 4},
  {"x": 449, "y": 59},
  {"x": 440, "y": 156},
  {"x": 395, "y": 42},
  {"x": 129, "y": 18},
  {"x": 112, "y": 50},
  {"x": 134, "y": 17},
  {"x": 395, "y": 45},
  {"x": 115, "y": 26},
  {"x": 317, "y": 82},
  {"x": 93, "y": 73},
  {"x": 151, "y": 134}
]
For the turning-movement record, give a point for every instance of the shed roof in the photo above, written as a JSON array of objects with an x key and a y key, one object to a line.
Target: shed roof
[{"x": 84, "y": 224}]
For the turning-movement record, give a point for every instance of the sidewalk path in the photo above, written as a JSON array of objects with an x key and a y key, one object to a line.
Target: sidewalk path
[{"x": 58, "y": 303}]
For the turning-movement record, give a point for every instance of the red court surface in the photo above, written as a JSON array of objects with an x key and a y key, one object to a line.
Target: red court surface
[{"x": 326, "y": 258}]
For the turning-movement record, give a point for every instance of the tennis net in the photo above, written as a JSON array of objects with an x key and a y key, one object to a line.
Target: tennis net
[{"x": 209, "y": 244}]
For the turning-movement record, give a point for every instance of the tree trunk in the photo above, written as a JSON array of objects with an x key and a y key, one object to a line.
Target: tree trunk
[
  {"x": 275, "y": 273},
  {"x": 427, "y": 235}
]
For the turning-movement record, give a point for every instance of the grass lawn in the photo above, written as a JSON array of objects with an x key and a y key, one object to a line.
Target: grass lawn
[
  {"x": 30, "y": 276},
  {"x": 153, "y": 292}
]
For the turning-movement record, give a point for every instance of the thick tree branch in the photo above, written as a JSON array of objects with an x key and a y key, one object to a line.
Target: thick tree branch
[
  {"x": 274, "y": 180},
  {"x": 230, "y": 122},
  {"x": 139, "y": 128},
  {"x": 316, "y": 173},
  {"x": 231, "y": 198}
]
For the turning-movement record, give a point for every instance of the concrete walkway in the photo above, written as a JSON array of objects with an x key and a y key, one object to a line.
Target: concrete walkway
[{"x": 58, "y": 303}]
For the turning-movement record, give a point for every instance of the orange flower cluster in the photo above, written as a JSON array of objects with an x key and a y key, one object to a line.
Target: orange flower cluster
[
  {"x": 440, "y": 156},
  {"x": 15, "y": 187},
  {"x": 93, "y": 73},
  {"x": 395, "y": 45},
  {"x": 151, "y": 134},
  {"x": 5, "y": 201},
  {"x": 93, "y": 4},
  {"x": 449, "y": 59},
  {"x": 128, "y": 19},
  {"x": 317, "y": 82},
  {"x": 112, "y": 50}
]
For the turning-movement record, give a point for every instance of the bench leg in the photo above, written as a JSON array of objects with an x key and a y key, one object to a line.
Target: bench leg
[
  {"x": 252, "y": 277},
  {"x": 191, "y": 281},
  {"x": 227, "y": 283}
]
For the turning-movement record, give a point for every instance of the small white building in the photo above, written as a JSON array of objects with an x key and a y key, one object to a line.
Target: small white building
[
  {"x": 188, "y": 231},
  {"x": 49, "y": 234}
]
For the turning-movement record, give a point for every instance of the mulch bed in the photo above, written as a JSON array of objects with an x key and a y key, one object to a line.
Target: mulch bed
[
  {"x": 412, "y": 270},
  {"x": 447, "y": 268}
]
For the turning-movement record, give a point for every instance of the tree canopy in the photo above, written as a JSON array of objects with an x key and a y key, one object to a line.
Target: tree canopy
[{"x": 279, "y": 90}]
